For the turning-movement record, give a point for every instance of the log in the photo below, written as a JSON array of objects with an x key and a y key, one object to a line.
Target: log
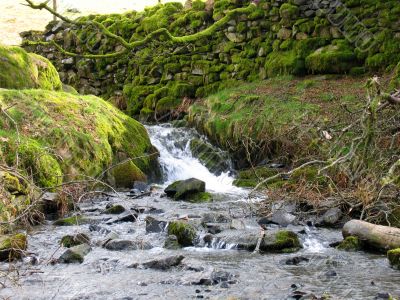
[{"x": 378, "y": 237}]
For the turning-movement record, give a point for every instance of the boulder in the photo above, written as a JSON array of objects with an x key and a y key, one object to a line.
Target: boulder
[
  {"x": 185, "y": 233},
  {"x": 164, "y": 263},
  {"x": 155, "y": 224},
  {"x": 12, "y": 246},
  {"x": 115, "y": 210},
  {"x": 185, "y": 189},
  {"x": 124, "y": 217},
  {"x": 350, "y": 243},
  {"x": 172, "y": 243},
  {"x": 69, "y": 241},
  {"x": 75, "y": 254},
  {"x": 280, "y": 218},
  {"x": 118, "y": 245},
  {"x": 330, "y": 218}
]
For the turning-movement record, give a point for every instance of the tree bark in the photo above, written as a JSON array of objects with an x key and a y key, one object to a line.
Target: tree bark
[{"x": 375, "y": 236}]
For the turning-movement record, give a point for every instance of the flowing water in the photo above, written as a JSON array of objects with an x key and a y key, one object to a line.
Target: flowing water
[{"x": 106, "y": 274}]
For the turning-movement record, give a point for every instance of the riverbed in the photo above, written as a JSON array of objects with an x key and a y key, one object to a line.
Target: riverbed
[{"x": 211, "y": 270}]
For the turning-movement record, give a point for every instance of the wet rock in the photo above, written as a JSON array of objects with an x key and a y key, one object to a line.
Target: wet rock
[
  {"x": 172, "y": 243},
  {"x": 124, "y": 217},
  {"x": 12, "y": 246},
  {"x": 350, "y": 243},
  {"x": 69, "y": 241},
  {"x": 185, "y": 233},
  {"x": 210, "y": 278},
  {"x": 141, "y": 187},
  {"x": 115, "y": 210},
  {"x": 75, "y": 254},
  {"x": 118, "y": 245},
  {"x": 330, "y": 218},
  {"x": 212, "y": 217},
  {"x": 185, "y": 189},
  {"x": 237, "y": 224},
  {"x": 383, "y": 296},
  {"x": 164, "y": 263},
  {"x": 280, "y": 218},
  {"x": 281, "y": 241},
  {"x": 294, "y": 261},
  {"x": 394, "y": 258},
  {"x": 155, "y": 224},
  {"x": 214, "y": 228},
  {"x": 49, "y": 203},
  {"x": 97, "y": 228}
]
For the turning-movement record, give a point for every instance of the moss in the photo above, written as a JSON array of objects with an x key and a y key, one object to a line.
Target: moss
[
  {"x": 63, "y": 149},
  {"x": 167, "y": 104},
  {"x": 71, "y": 221},
  {"x": 350, "y": 243},
  {"x": 184, "y": 232},
  {"x": 284, "y": 63},
  {"x": 283, "y": 241},
  {"x": 12, "y": 246},
  {"x": 11, "y": 183},
  {"x": 21, "y": 70},
  {"x": 126, "y": 174},
  {"x": 394, "y": 258},
  {"x": 339, "y": 58},
  {"x": 200, "y": 198}
]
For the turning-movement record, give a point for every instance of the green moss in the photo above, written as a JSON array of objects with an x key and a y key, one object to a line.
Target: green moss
[
  {"x": 287, "y": 240},
  {"x": 350, "y": 243},
  {"x": 12, "y": 246},
  {"x": 284, "y": 63},
  {"x": 394, "y": 258},
  {"x": 200, "y": 197},
  {"x": 126, "y": 174},
  {"x": 22, "y": 70},
  {"x": 69, "y": 241},
  {"x": 167, "y": 104},
  {"x": 184, "y": 232},
  {"x": 339, "y": 58},
  {"x": 115, "y": 210}
]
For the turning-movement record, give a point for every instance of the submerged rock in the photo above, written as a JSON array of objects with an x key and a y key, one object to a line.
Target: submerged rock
[
  {"x": 12, "y": 246},
  {"x": 172, "y": 243},
  {"x": 155, "y": 225},
  {"x": 394, "y": 258},
  {"x": 75, "y": 254},
  {"x": 185, "y": 233},
  {"x": 115, "y": 210},
  {"x": 164, "y": 263},
  {"x": 118, "y": 245},
  {"x": 125, "y": 217},
  {"x": 71, "y": 221},
  {"x": 69, "y": 241},
  {"x": 189, "y": 190},
  {"x": 350, "y": 243}
]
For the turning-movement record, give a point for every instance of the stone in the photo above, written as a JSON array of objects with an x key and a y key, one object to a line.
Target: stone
[
  {"x": 294, "y": 261},
  {"x": 164, "y": 263},
  {"x": 172, "y": 243},
  {"x": 284, "y": 34},
  {"x": 330, "y": 218},
  {"x": 235, "y": 37},
  {"x": 125, "y": 217},
  {"x": 155, "y": 225},
  {"x": 184, "y": 189},
  {"x": 185, "y": 233},
  {"x": 279, "y": 217},
  {"x": 394, "y": 258},
  {"x": 212, "y": 217},
  {"x": 119, "y": 244},
  {"x": 12, "y": 246},
  {"x": 75, "y": 254},
  {"x": 115, "y": 210},
  {"x": 69, "y": 241}
]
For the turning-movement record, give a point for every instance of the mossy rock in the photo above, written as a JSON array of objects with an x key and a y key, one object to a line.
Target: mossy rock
[
  {"x": 187, "y": 189},
  {"x": 126, "y": 174},
  {"x": 394, "y": 258},
  {"x": 115, "y": 210},
  {"x": 64, "y": 150},
  {"x": 284, "y": 63},
  {"x": 71, "y": 221},
  {"x": 350, "y": 243},
  {"x": 200, "y": 198},
  {"x": 22, "y": 70},
  {"x": 335, "y": 59},
  {"x": 185, "y": 233},
  {"x": 283, "y": 241},
  {"x": 69, "y": 241},
  {"x": 12, "y": 246},
  {"x": 172, "y": 243}
]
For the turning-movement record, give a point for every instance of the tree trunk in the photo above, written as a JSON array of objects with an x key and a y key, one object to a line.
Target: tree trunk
[
  {"x": 55, "y": 9},
  {"x": 375, "y": 236}
]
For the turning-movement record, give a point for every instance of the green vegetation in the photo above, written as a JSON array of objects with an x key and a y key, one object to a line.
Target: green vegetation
[
  {"x": 350, "y": 243},
  {"x": 22, "y": 70},
  {"x": 184, "y": 232},
  {"x": 394, "y": 258},
  {"x": 12, "y": 246}
]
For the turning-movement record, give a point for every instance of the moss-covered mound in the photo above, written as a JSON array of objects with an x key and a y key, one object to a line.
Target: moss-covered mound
[
  {"x": 22, "y": 70},
  {"x": 64, "y": 136},
  {"x": 184, "y": 232},
  {"x": 12, "y": 246},
  {"x": 394, "y": 258},
  {"x": 275, "y": 119}
]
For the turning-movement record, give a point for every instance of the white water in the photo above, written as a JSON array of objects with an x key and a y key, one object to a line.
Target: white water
[{"x": 178, "y": 163}]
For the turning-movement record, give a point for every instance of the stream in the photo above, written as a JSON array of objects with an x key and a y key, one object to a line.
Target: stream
[{"x": 105, "y": 274}]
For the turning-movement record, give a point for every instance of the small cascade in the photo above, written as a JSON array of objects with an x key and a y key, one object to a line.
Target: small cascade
[
  {"x": 178, "y": 163},
  {"x": 312, "y": 243}
]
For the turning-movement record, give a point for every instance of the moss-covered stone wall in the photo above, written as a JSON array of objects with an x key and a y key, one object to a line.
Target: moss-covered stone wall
[{"x": 278, "y": 37}]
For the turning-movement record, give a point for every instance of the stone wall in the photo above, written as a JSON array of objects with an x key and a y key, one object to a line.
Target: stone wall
[{"x": 279, "y": 37}]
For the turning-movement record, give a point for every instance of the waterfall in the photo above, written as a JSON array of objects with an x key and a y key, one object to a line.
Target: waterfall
[{"x": 178, "y": 163}]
